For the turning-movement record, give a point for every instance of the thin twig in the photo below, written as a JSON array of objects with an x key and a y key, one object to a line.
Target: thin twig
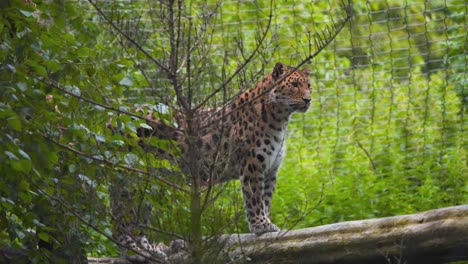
[
  {"x": 367, "y": 155},
  {"x": 131, "y": 40},
  {"x": 321, "y": 43},
  {"x": 157, "y": 230},
  {"x": 243, "y": 65}
]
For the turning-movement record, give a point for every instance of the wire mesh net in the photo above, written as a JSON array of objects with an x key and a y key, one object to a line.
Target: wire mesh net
[{"x": 389, "y": 94}]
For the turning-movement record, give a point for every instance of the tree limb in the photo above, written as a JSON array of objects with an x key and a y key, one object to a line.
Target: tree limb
[{"x": 436, "y": 236}]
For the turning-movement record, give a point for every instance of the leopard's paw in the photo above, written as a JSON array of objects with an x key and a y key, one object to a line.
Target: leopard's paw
[
  {"x": 155, "y": 250},
  {"x": 265, "y": 227}
]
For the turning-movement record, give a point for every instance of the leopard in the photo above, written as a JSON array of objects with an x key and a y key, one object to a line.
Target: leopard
[{"x": 243, "y": 139}]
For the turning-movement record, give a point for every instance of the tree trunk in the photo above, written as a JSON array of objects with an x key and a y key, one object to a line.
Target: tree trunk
[{"x": 436, "y": 236}]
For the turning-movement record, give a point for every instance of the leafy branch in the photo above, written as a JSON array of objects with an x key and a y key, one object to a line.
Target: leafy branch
[
  {"x": 113, "y": 164},
  {"x": 69, "y": 209},
  {"x": 90, "y": 101}
]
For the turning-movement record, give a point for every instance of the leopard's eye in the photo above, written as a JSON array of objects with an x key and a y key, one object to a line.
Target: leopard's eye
[{"x": 295, "y": 84}]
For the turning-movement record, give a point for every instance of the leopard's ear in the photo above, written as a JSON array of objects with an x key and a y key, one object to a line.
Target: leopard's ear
[
  {"x": 307, "y": 71},
  {"x": 278, "y": 70}
]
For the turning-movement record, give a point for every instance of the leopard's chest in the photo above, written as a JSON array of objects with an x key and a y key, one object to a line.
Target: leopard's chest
[
  {"x": 251, "y": 138},
  {"x": 268, "y": 154},
  {"x": 273, "y": 149},
  {"x": 265, "y": 146}
]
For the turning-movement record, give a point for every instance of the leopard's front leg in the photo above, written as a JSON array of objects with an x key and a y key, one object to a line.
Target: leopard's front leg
[
  {"x": 252, "y": 181},
  {"x": 269, "y": 188}
]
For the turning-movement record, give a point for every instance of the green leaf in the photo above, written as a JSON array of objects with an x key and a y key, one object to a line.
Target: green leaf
[
  {"x": 44, "y": 236},
  {"x": 11, "y": 156},
  {"x": 38, "y": 223},
  {"x": 26, "y": 196},
  {"x": 126, "y": 81},
  {"x": 28, "y": 14},
  {"x": 146, "y": 126},
  {"x": 21, "y": 165},
  {"x": 131, "y": 126},
  {"x": 131, "y": 159},
  {"x": 73, "y": 89},
  {"x": 83, "y": 52},
  {"x": 38, "y": 69},
  {"x": 14, "y": 123},
  {"x": 86, "y": 179},
  {"x": 107, "y": 231},
  {"x": 53, "y": 65},
  {"x": 24, "y": 154},
  {"x": 117, "y": 143},
  {"x": 100, "y": 138},
  {"x": 69, "y": 37},
  {"x": 22, "y": 86},
  {"x": 72, "y": 168},
  {"x": 20, "y": 234},
  {"x": 52, "y": 159}
]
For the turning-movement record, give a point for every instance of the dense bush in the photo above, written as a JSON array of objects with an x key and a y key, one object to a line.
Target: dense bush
[{"x": 386, "y": 133}]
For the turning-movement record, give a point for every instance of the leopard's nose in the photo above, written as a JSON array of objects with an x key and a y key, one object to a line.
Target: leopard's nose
[{"x": 306, "y": 100}]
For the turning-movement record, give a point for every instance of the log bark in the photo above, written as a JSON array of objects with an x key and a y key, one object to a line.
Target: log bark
[{"x": 436, "y": 236}]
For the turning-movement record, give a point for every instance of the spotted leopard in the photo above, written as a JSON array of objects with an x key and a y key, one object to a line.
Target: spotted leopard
[{"x": 243, "y": 139}]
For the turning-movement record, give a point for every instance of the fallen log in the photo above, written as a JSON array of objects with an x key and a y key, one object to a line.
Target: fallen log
[{"x": 436, "y": 236}]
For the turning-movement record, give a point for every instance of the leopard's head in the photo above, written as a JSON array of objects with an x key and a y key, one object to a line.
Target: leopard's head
[{"x": 293, "y": 89}]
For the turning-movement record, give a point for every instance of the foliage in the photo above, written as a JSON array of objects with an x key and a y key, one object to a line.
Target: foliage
[{"x": 385, "y": 136}]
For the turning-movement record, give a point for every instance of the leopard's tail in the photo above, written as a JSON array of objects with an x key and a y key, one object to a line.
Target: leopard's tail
[
  {"x": 156, "y": 136},
  {"x": 166, "y": 145},
  {"x": 158, "y": 129}
]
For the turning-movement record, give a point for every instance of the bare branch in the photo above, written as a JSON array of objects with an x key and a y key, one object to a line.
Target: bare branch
[
  {"x": 327, "y": 35},
  {"x": 174, "y": 39},
  {"x": 131, "y": 40},
  {"x": 157, "y": 230},
  {"x": 244, "y": 64},
  {"x": 322, "y": 41}
]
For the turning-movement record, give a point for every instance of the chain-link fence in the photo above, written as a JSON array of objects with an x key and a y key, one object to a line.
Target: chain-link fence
[{"x": 388, "y": 117}]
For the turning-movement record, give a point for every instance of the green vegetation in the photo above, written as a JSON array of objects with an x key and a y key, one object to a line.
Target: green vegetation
[{"x": 386, "y": 133}]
